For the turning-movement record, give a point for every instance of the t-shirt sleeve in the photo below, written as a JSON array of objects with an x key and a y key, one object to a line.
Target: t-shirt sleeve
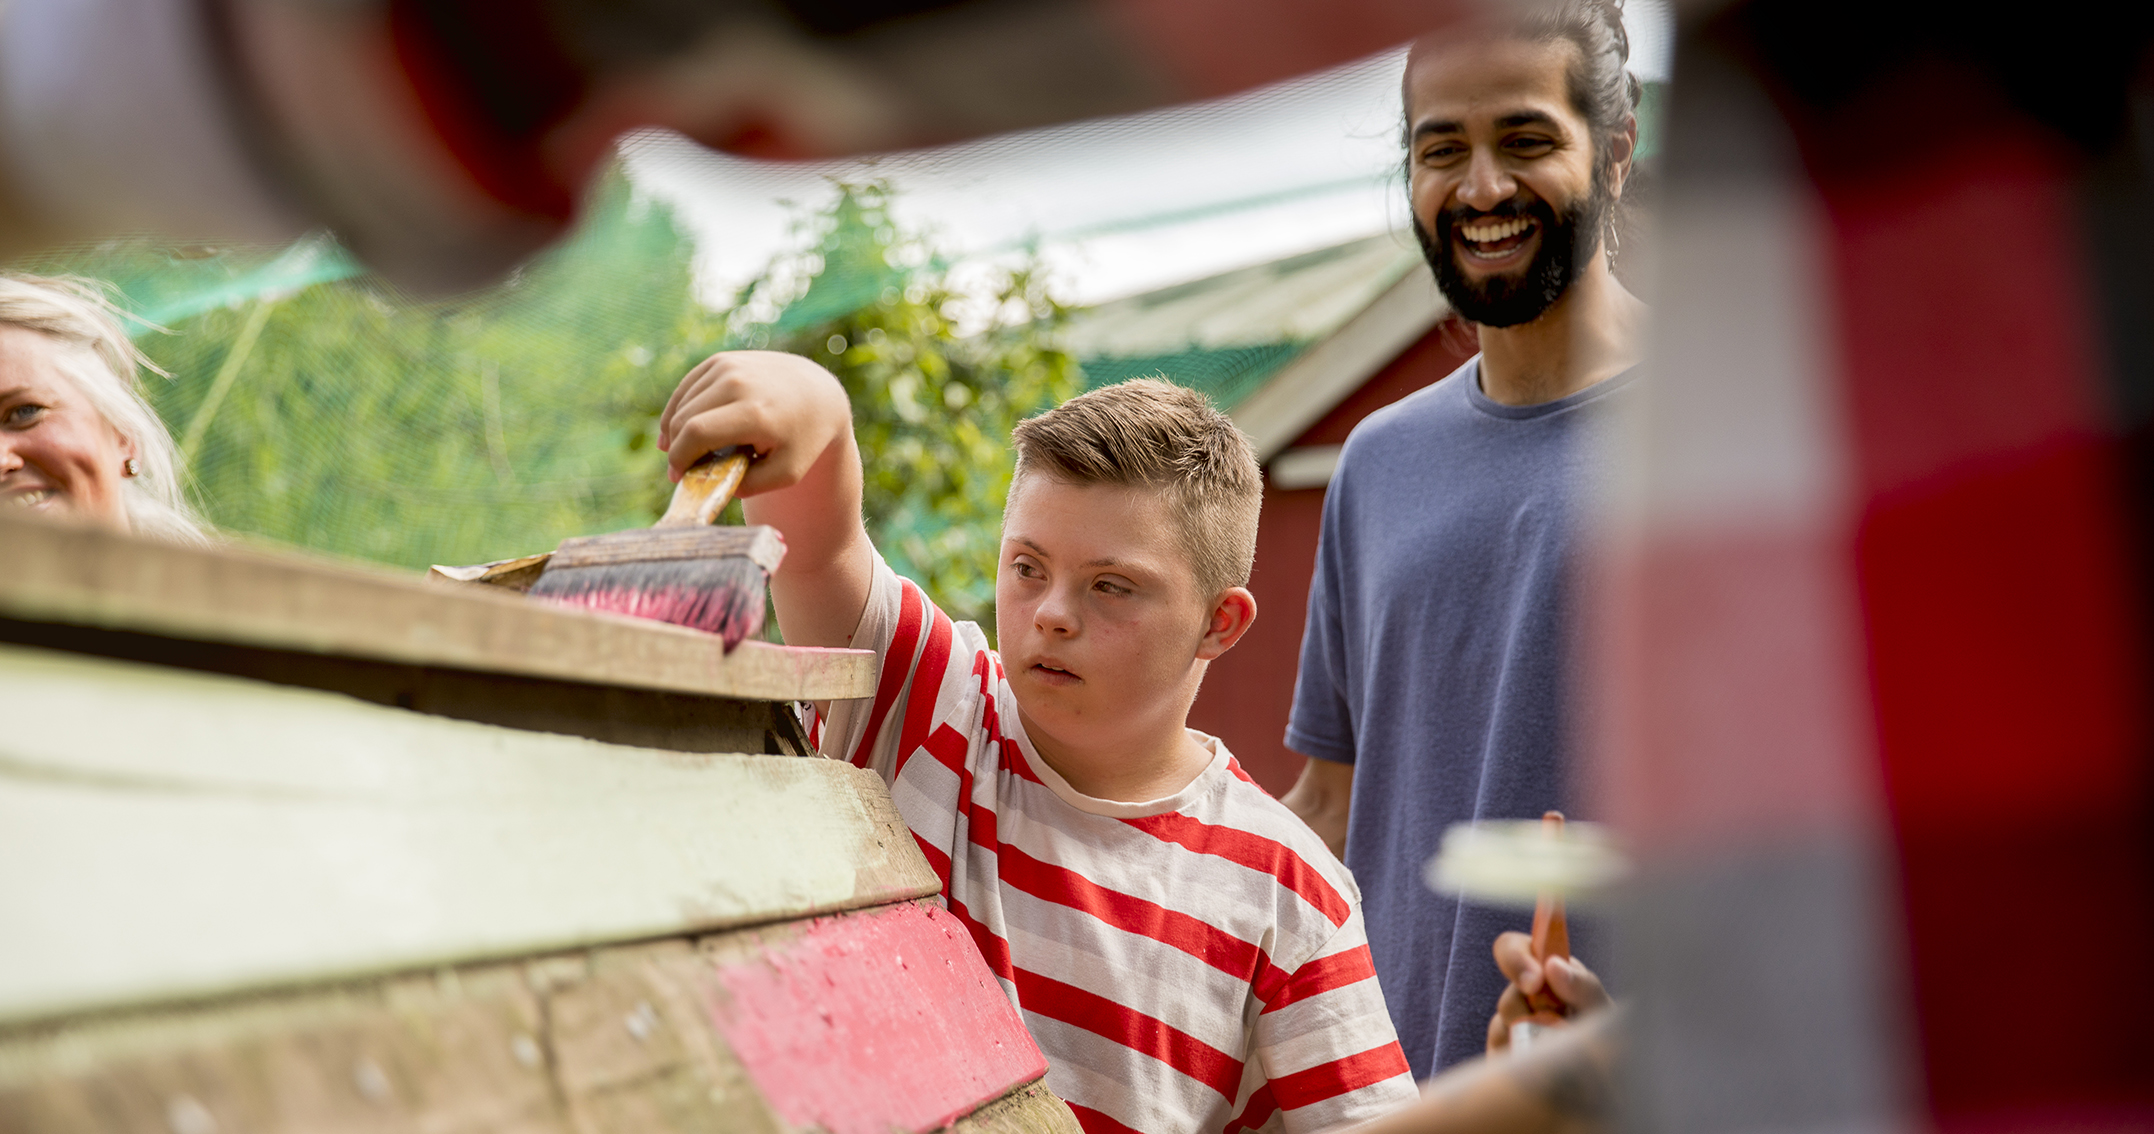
[
  {"x": 840, "y": 733},
  {"x": 921, "y": 660},
  {"x": 1326, "y": 1040},
  {"x": 1321, "y": 724},
  {"x": 919, "y": 730}
]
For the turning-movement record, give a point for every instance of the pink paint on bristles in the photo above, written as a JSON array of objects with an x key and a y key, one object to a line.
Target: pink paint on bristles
[
  {"x": 692, "y": 609},
  {"x": 717, "y": 596}
]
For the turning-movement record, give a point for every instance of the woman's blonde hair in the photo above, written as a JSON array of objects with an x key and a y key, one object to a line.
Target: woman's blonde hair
[{"x": 97, "y": 356}]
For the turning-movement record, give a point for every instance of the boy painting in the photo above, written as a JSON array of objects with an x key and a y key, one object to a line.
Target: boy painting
[{"x": 1187, "y": 954}]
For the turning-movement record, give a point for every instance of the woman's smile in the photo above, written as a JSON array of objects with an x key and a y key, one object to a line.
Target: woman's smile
[{"x": 32, "y": 498}]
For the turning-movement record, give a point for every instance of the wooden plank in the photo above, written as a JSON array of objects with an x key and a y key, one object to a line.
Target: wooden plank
[
  {"x": 756, "y": 543},
  {"x": 465, "y": 1052},
  {"x": 1321, "y": 377},
  {"x": 171, "y": 834},
  {"x": 1030, "y": 1109},
  {"x": 639, "y": 1038},
  {"x": 631, "y": 1047},
  {"x": 853, "y": 1025},
  {"x": 94, "y": 578},
  {"x": 644, "y": 718}
]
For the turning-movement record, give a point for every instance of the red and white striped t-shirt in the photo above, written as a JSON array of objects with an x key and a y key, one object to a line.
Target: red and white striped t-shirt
[{"x": 1189, "y": 965}]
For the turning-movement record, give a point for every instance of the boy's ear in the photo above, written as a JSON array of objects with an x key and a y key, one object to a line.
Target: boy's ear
[{"x": 1232, "y": 613}]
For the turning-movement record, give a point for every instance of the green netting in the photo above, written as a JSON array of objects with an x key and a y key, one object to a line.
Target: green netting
[
  {"x": 162, "y": 290},
  {"x": 1224, "y": 375},
  {"x": 932, "y": 407},
  {"x": 320, "y": 409},
  {"x": 852, "y": 269},
  {"x": 1652, "y": 107}
]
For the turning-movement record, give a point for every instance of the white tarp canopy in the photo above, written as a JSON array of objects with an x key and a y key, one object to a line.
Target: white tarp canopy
[{"x": 1115, "y": 206}]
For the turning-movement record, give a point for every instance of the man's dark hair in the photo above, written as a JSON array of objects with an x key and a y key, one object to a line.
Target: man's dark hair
[{"x": 1602, "y": 89}]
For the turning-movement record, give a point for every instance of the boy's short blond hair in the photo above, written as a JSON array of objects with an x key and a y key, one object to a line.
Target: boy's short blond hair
[{"x": 1153, "y": 433}]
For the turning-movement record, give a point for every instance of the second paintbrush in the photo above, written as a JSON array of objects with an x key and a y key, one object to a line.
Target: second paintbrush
[{"x": 681, "y": 570}]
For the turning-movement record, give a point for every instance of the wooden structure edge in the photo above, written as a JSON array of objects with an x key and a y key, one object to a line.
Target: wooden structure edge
[
  {"x": 251, "y": 597},
  {"x": 217, "y": 834},
  {"x": 658, "y": 1036}
]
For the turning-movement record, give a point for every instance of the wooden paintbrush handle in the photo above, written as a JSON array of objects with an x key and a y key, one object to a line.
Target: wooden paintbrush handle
[
  {"x": 705, "y": 488},
  {"x": 1551, "y": 930}
]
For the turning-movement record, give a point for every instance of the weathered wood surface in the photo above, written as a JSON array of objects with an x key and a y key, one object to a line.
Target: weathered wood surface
[
  {"x": 854, "y": 1024},
  {"x": 1030, "y": 1109},
  {"x": 171, "y": 834},
  {"x": 756, "y": 543},
  {"x": 93, "y": 578},
  {"x": 642, "y": 1038},
  {"x": 644, "y": 718}
]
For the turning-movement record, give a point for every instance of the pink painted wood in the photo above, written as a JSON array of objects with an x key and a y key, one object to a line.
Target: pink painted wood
[{"x": 872, "y": 1022}]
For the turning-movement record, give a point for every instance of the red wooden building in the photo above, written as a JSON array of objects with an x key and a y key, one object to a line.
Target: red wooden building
[{"x": 1247, "y": 694}]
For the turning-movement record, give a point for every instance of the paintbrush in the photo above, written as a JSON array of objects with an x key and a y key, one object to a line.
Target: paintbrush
[
  {"x": 1540, "y": 861},
  {"x": 1551, "y": 938},
  {"x": 682, "y": 569}
]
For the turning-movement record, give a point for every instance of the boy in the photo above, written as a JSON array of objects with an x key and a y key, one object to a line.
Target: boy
[{"x": 1185, "y": 951}]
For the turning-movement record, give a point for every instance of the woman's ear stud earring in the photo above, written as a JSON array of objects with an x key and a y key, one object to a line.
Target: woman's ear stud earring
[{"x": 131, "y": 467}]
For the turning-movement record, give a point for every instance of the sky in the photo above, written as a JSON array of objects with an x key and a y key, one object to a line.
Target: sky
[{"x": 1114, "y": 206}]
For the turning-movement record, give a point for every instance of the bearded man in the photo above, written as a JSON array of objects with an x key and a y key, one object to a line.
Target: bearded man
[{"x": 1433, "y": 667}]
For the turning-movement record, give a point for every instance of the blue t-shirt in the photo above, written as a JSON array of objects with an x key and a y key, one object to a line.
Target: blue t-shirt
[{"x": 1435, "y": 662}]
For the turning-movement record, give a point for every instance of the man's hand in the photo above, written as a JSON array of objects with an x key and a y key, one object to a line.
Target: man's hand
[
  {"x": 1568, "y": 982},
  {"x": 1322, "y": 797},
  {"x": 805, "y": 480}
]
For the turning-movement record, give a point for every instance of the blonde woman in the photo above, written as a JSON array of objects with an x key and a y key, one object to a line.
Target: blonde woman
[{"x": 77, "y": 439}]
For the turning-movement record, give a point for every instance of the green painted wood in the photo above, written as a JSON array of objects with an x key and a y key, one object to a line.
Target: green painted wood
[{"x": 169, "y": 834}]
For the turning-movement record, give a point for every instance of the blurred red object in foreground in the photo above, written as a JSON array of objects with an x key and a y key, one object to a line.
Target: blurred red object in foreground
[
  {"x": 445, "y": 140},
  {"x": 1874, "y": 667}
]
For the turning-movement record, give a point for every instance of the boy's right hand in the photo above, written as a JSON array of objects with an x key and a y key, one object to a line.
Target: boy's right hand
[
  {"x": 805, "y": 480},
  {"x": 788, "y": 409}
]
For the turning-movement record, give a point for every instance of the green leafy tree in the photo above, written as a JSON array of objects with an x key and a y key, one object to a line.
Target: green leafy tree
[
  {"x": 319, "y": 408},
  {"x": 934, "y": 399},
  {"x": 342, "y": 417}
]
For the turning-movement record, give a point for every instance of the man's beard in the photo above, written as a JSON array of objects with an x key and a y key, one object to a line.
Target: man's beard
[{"x": 1509, "y": 300}]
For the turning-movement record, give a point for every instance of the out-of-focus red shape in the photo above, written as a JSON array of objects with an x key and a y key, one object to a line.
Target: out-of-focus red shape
[
  {"x": 2004, "y": 621},
  {"x": 504, "y": 163}
]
